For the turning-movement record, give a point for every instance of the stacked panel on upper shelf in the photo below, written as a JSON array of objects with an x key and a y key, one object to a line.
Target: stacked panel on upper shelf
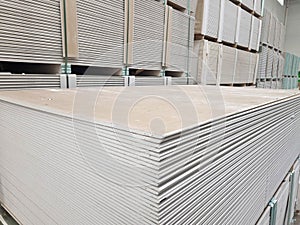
[
  {"x": 282, "y": 37},
  {"x": 148, "y": 34},
  {"x": 100, "y": 33},
  {"x": 255, "y": 33},
  {"x": 31, "y": 31},
  {"x": 271, "y": 36},
  {"x": 244, "y": 28},
  {"x": 229, "y": 22},
  {"x": 208, "y": 18},
  {"x": 180, "y": 41},
  {"x": 265, "y": 27},
  {"x": 277, "y": 33}
]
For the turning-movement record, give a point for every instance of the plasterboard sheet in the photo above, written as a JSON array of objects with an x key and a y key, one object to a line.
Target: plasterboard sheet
[{"x": 199, "y": 168}]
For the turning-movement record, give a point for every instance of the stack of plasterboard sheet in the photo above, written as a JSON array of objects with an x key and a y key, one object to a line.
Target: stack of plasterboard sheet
[
  {"x": 229, "y": 22},
  {"x": 260, "y": 83},
  {"x": 243, "y": 68},
  {"x": 244, "y": 28},
  {"x": 270, "y": 63},
  {"x": 255, "y": 33},
  {"x": 282, "y": 37},
  {"x": 266, "y": 26},
  {"x": 30, "y": 31},
  {"x": 248, "y": 3},
  {"x": 208, "y": 62},
  {"x": 272, "y": 26},
  {"x": 265, "y": 217},
  {"x": 99, "y": 80},
  {"x": 277, "y": 33},
  {"x": 280, "y": 66},
  {"x": 254, "y": 59},
  {"x": 228, "y": 65},
  {"x": 180, "y": 41},
  {"x": 208, "y": 16},
  {"x": 148, "y": 34},
  {"x": 258, "y": 6},
  {"x": 32, "y": 81},
  {"x": 145, "y": 155},
  {"x": 263, "y": 58},
  {"x": 100, "y": 33},
  {"x": 275, "y": 64},
  {"x": 149, "y": 81}
]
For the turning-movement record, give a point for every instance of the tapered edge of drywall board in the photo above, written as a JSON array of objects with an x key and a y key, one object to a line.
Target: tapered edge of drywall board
[{"x": 235, "y": 100}]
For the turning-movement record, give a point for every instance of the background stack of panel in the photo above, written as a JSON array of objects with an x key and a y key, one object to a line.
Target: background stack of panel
[
  {"x": 148, "y": 35},
  {"x": 229, "y": 22},
  {"x": 100, "y": 33},
  {"x": 271, "y": 48},
  {"x": 236, "y": 26},
  {"x": 28, "y": 36},
  {"x": 72, "y": 166},
  {"x": 111, "y": 36},
  {"x": 180, "y": 41},
  {"x": 209, "y": 61},
  {"x": 228, "y": 65},
  {"x": 208, "y": 16},
  {"x": 244, "y": 28},
  {"x": 290, "y": 72}
]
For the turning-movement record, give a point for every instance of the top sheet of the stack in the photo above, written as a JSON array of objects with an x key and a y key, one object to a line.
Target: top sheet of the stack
[{"x": 154, "y": 111}]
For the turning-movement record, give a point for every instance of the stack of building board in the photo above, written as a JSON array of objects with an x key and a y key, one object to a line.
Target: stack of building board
[
  {"x": 28, "y": 36},
  {"x": 100, "y": 33},
  {"x": 282, "y": 37},
  {"x": 277, "y": 34},
  {"x": 148, "y": 34},
  {"x": 128, "y": 156},
  {"x": 228, "y": 65},
  {"x": 208, "y": 16},
  {"x": 229, "y": 22},
  {"x": 275, "y": 69},
  {"x": 271, "y": 30},
  {"x": 270, "y": 63},
  {"x": 244, "y": 70},
  {"x": 255, "y": 33},
  {"x": 266, "y": 26},
  {"x": 150, "y": 81},
  {"x": 244, "y": 28},
  {"x": 180, "y": 41},
  {"x": 280, "y": 66},
  {"x": 101, "y": 81},
  {"x": 263, "y": 59},
  {"x": 254, "y": 59},
  {"x": 13, "y": 81},
  {"x": 208, "y": 61}
]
